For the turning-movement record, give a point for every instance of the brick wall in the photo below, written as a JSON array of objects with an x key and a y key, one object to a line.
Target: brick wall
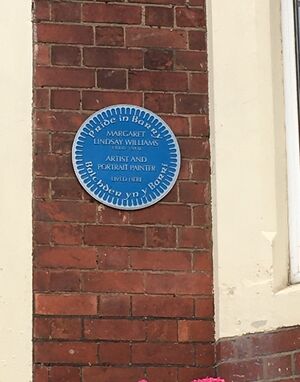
[
  {"x": 272, "y": 356},
  {"x": 121, "y": 294}
]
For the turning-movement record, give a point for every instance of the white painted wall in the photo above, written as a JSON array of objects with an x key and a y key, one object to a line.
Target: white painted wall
[
  {"x": 15, "y": 191},
  {"x": 250, "y": 221}
]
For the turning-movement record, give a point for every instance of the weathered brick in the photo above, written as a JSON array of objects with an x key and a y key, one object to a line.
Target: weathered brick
[
  {"x": 115, "y": 353},
  {"x": 65, "y": 99},
  {"x": 65, "y": 257},
  {"x": 172, "y": 354},
  {"x": 109, "y": 36},
  {"x": 149, "y": 37},
  {"x": 159, "y": 59},
  {"x": 114, "y": 305},
  {"x": 121, "y": 236},
  {"x": 70, "y": 77},
  {"x": 65, "y": 211},
  {"x": 111, "y": 79},
  {"x": 117, "y": 282},
  {"x": 195, "y": 331},
  {"x": 64, "y": 34},
  {"x": 67, "y": 304},
  {"x": 146, "y": 80},
  {"x": 113, "y": 57},
  {"x": 159, "y": 102},
  {"x": 66, "y": 11},
  {"x": 115, "y": 330},
  {"x": 65, "y": 55},
  {"x": 159, "y": 16},
  {"x": 108, "y": 374},
  {"x": 93, "y": 100},
  {"x": 112, "y": 13},
  {"x": 66, "y": 352},
  {"x": 160, "y": 260},
  {"x": 190, "y": 17},
  {"x": 162, "y": 306},
  {"x": 64, "y": 374}
]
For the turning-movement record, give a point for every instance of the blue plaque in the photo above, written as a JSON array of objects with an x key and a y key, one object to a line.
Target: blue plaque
[{"x": 126, "y": 157}]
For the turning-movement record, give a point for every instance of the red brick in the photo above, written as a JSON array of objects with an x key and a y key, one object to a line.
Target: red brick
[
  {"x": 195, "y": 331},
  {"x": 65, "y": 99},
  {"x": 149, "y": 37},
  {"x": 146, "y": 80},
  {"x": 113, "y": 258},
  {"x": 252, "y": 370},
  {"x": 189, "y": 17},
  {"x": 41, "y": 188},
  {"x": 62, "y": 143},
  {"x": 191, "y": 104},
  {"x": 109, "y": 374},
  {"x": 107, "y": 215},
  {"x": 191, "y": 237},
  {"x": 66, "y": 189},
  {"x": 204, "y": 307},
  {"x": 297, "y": 361},
  {"x": 179, "y": 125},
  {"x": 162, "y": 2},
  {"x": 164, "y": 237},
  {"x": 162, "y": 353},
  {"x": 65, "y": 55},
  {"x": 107, "y": 13},
  {"x": 162, "y": 214},
  {"x": 110, "y": 36},
  {"x": 66, "y": 281},
  {"x": 159, "y": 102},
  {"x": 160, "y": 260},
  {"x": 111, "y": 79},
  {"x": 66, "y": 352},
  {"x": 70, "y": 77},
  {"x": 66, "y": 11},
  {"x": 64, "y": 257},
  {"x": 57, "y": 328},
  {"x": 114, "y": 353},
  {"x": 40, "y": 373},
  {"x": 191, "y": 373},
  {"x": 42, "y": 10},
  {"x": 109, "y": 235},
  {"x": 162, "y": 330},
  {"x": 162, "y": 306},
  {"x": 59, "y": 121},
  {"x": 161, "y": 374},
  {"x": 201, "y": 170},
  {"x": 114, "y": 305},
  {"x": 113, "y": 57},
  {"x": 126, "y": 282},
  {"x": 65, "y": 304},
  {"x": 199, "y": 83},
  {"x": 93, "y": 100},
  {"x": 42, "y": 142},
  {"x": 187, "y": 60},
  {"x": 65, "y": 374},
  {"x": 41, "y": 281},
  {"x": 68, "y": 234},
  {"x": 64, "y": 34},
  {"x": 225, "y": 350},
  {"x": 192, "y": 192},
  {"x": 200, "y": 125},
  {"x": 193, "y": 283},
  {"x": 52, "y": 165},
  {"x": 197, "y": 40},
  {"x": 202, "y": 262},
  {"x": 194, "y": 148},
  {"x": 159, "y": 59},
  {"x": 159, "y": 16},
  {"x": 114, "y": 330},
  {"x": 65, "y": 211},
  {"x": 202, "y": 215},
  {"x": 41, "y": 54},
  {"x": 41, "y": 232},
  {"x": 278, "y": 366},
  {"x": 205, "y": 354},
  {"x": 41, "y": 98}
]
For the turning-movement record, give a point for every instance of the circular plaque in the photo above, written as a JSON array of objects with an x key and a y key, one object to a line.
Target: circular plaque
[{"x": 126, "y": 157}]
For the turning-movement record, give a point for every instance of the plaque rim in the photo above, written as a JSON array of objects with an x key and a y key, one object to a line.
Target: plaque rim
[{"x": 108, "y": 204}]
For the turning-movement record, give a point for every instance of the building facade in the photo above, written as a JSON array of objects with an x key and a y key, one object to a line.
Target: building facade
[{"x": 195, "y": 285}]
